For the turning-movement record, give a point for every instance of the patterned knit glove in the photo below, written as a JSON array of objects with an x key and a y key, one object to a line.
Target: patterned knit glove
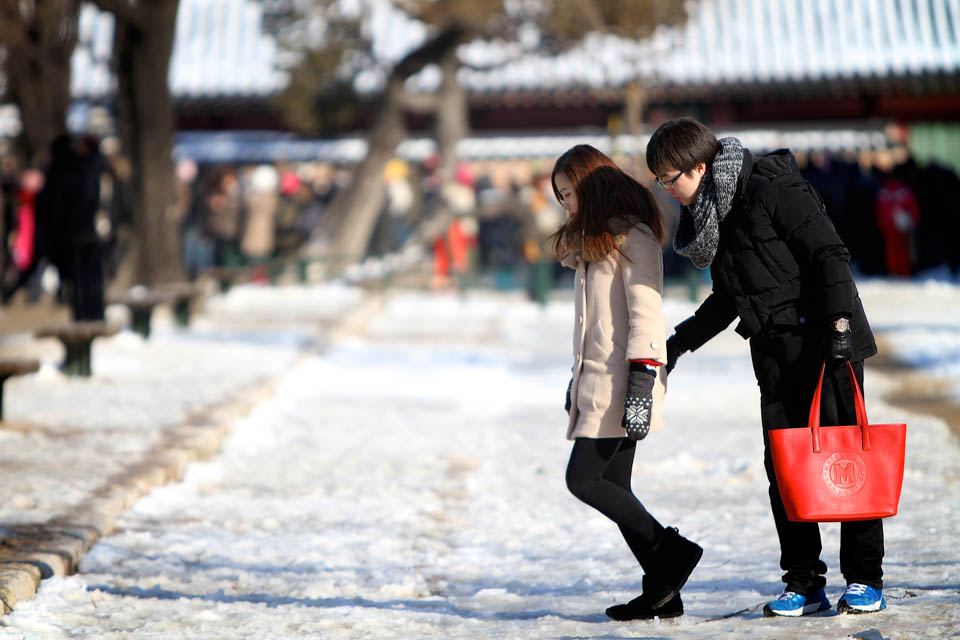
[{"x": 639, "y": 401}]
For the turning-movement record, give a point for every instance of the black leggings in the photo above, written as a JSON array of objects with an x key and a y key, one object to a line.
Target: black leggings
[{"x": 599, "y": 474}]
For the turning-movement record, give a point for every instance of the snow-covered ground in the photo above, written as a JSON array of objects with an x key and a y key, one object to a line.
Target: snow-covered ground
[
  {"x": 408, "y": 483},
  {"x": 920, "y": 323}
]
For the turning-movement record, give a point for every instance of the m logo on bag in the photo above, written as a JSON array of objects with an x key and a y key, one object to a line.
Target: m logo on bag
[{"x": 844, "y": 473}]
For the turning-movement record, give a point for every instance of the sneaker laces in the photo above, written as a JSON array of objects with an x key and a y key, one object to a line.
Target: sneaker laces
[
  {"x": 787, "y": 595},
  {"x": 855, "y": 589}
]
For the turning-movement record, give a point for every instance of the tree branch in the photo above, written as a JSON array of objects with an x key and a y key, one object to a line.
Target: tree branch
[
  {"x": 122, "y": 10},
  {"x": 592, "y": 15},
  {"x": 431, "y": 51}
]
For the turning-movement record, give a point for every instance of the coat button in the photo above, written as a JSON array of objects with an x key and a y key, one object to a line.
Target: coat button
[
  {"x": 581, "y": 318},
  {"x": 654, "y": 345}
]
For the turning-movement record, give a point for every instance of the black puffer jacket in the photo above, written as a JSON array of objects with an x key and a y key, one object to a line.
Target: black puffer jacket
[{"x": 780, "y": 264}]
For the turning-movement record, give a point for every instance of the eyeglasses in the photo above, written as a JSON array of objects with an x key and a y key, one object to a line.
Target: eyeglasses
[{"x": 668, "y": 183}]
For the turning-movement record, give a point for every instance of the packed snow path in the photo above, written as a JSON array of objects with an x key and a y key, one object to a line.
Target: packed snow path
[{"x": 409, "y": 484}]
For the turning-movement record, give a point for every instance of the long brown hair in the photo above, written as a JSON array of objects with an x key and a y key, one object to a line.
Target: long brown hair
[{"x": 609, "y": 202}]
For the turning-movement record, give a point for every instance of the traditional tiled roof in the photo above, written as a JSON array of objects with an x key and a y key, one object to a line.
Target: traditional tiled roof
[
  {"x": 223, "y": 51},
  {"x": 222, "y": 48},
  {"x": 744, "y": 42},
  {"x": 791, "y": 40}
]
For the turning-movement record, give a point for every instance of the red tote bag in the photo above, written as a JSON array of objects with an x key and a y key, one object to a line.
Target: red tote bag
[{"x": 839, "y": 474}]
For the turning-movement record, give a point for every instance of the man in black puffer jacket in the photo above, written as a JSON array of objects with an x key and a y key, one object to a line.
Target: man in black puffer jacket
[{"x": 779, "y": 266}]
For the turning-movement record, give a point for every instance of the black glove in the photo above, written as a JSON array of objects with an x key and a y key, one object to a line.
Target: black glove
[
  {"x": 566, "y": 405},
  {"x": 675, "y": 349},
  {"x": 639, "y": 401},
  {"x": 839, "y": 342}
]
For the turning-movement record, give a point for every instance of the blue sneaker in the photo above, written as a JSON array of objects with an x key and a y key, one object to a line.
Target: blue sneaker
[
  {"x": 794, "y": 604},
  {"x": 859, "y": 598}
]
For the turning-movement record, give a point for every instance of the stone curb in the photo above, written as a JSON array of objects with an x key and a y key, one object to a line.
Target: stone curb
[
  {"x": 34, "y": 552},
  {"x": 31, "y": 553}
]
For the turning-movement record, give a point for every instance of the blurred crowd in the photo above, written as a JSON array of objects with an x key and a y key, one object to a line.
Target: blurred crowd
[
  {"x": 487, "y": 219},
  {"x": 501, "y": 214},
  {"x": 898, "y": 218},
  {"x": 485, "y": 226},
  {"x": 241, "y": 216}
]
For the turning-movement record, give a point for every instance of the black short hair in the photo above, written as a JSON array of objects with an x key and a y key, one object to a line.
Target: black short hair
[{"x": 682, "y": 143}]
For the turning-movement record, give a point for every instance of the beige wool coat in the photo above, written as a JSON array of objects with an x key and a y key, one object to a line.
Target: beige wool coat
[{"x": 618, "y": 317}]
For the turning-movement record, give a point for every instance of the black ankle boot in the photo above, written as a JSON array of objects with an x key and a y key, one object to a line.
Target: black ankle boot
[
  {"x": 671, "y": 562},
  {"x": 640, "y": 609}
]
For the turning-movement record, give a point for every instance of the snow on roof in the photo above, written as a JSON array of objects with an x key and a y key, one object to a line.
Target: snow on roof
[
  {"x": 222, "y": 49},
  {"x": 759, "y": 41}
]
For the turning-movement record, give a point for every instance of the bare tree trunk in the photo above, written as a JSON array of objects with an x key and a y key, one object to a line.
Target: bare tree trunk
[
  {"x": 354, "y": 211},
  {"x": 142, "y": 50},
  {"x": 634, "y": 99},
  {"x": 41, "y": 90},
  {"x": 451, "y": 127},
  {"x": 39, "y": 44}
]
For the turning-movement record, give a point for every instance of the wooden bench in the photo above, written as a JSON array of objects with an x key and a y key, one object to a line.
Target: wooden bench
[
  {"x": 183, "y": 297},
  {"x": 141, "y": 302},
  {"x": 180, "y": 296},
  {"x": 76, "y": 339},
  {"x": 10, "y": 367}
]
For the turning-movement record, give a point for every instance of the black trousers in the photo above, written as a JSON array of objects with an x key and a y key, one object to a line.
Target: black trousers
[
  {"x": 86, "y": 282},
  {"x": 599, "y": 474},
  {"x": 787, "y": 367}
]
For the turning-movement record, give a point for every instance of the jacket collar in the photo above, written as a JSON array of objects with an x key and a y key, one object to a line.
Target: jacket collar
[{"x": 745, "y": 171}]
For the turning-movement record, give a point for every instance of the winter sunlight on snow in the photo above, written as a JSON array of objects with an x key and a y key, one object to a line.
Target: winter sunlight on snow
[{"x": 408, "y": 482}]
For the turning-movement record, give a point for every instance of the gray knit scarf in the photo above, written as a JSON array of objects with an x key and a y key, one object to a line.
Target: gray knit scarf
[{"x": 698, "y": 229}]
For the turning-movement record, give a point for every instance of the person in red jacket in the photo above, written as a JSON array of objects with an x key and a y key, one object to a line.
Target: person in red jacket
[
  {"x": 897, "y": 215},
  {"x": 22, "y": 260}
]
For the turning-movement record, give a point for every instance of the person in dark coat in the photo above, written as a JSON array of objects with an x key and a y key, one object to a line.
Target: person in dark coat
[
  {"x": 66, "y": 223},
  {"x": 779, "y": 267}
]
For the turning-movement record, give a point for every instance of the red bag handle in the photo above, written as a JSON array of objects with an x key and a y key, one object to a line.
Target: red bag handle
[{"x": 814, "y": 421}]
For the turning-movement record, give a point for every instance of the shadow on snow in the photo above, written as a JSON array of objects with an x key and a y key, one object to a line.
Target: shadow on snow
[{"x": 420, "y": 606}]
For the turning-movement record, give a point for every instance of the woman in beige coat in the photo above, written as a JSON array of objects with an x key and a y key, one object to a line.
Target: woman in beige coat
[{"x": 612, "y": 238}]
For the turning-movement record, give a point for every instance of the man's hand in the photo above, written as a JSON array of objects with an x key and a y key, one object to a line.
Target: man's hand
[
  {"x": 675, "y": 349},
  {"x": 638, "y": 404},
  {"x": 839, "y": 342}
]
